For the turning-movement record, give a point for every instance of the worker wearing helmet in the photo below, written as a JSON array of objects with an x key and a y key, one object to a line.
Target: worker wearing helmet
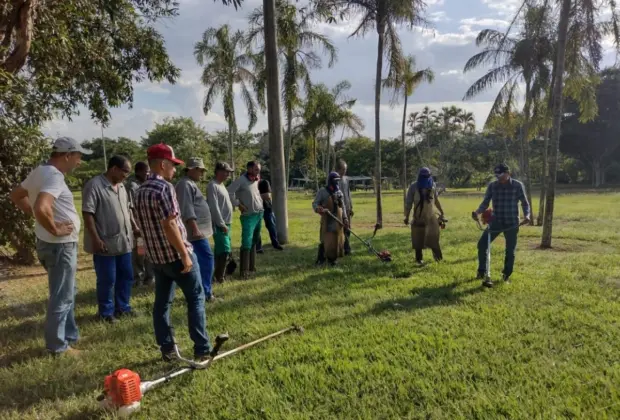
[
  {"x": 329, "y": 203},
  {"x": 422, "y": 196}
]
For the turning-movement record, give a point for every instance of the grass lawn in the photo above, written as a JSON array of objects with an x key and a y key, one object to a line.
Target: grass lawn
[{"x": 382, "y": 341}]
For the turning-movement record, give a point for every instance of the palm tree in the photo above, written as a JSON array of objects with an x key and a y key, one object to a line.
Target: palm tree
[
  {"x": 383, "y": 16},
  {"x": 467, "y": 121},
  {"x": 225, "y": 59},
  {"x": 296, "y": 44},
  {"x": 324, "y": 111},
  {"x": 404, "y": 84},
  {"x": 525, "y": 58}
]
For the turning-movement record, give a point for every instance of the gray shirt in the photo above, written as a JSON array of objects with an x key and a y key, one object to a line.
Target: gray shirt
[
  {"x": 243, "y": 191},
  {"x": 131, "y": 185},
  {"x": 110, "y": 208},
  {"x": 346, "y": 194},
  {"x": 219, "y": 204},
  {"x": 193, "y": 206}
]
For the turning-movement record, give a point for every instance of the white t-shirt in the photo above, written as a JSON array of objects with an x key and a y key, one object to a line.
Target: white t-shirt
[{"x": 48, "y": 179}]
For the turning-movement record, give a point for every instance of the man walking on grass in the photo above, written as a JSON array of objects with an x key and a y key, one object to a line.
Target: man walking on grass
[
  {"x": 221, "y": 214},
  {"x": 505, "y": 194},
  {"x": 109, "y": 238},
  {"x": 264, "y": 188},
  {"x": 142, "y": 267},
  {"x": 197, "y": 218},
  {"x": 45, "y": 195},
  {"x": 341, "y": 168},
  {"x": 244, "y": 194},
  {"x": 172, "y": 255}
]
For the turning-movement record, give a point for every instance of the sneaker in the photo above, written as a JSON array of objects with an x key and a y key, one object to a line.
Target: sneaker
[
  {"x": 420, "y": 263},
  {"x": 278, "y": 247},
  {"x": 200, "y": 358},
  {"x": 111, "y": 319},
  {"x": 487, "y": 283},
  {"x": 211, "y": 298},
  {"x": 69, "y": 351},
  {"x": 506, "y": 279},
  {"x": 480, "y": 275}
]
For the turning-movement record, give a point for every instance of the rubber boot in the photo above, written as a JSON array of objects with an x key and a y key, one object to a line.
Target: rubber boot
[
  {"x": 253, "y": 259},
  {"x": 320, "y": 259},
  {"x": 219, "y": 272},
  {"x": 437, "y": 254},
  {"x": 418, "y": 257},
  {"x": 244, "y": 270}
]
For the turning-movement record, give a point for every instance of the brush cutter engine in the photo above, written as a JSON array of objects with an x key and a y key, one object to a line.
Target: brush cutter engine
[{"x": 122, "y": 392}]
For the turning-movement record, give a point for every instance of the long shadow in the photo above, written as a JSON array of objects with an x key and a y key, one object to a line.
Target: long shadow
[
  {"x": 42, "y": 273},
  {"x": 426, "y": 297}
]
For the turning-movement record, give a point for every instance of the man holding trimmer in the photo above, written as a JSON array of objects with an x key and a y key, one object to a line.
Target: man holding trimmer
[{"x": 505, "y": 193}]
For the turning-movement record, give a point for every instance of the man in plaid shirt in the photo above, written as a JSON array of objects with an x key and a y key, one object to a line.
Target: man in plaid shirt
[
  {"x": 505, "y": 193},
  {"x": 171, "y": 254}
]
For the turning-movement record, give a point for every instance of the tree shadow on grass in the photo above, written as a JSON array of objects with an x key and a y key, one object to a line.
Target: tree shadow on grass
[{"x": 426, "y": 297}]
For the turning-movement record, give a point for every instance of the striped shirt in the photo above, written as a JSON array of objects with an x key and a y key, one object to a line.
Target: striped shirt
[
  {"x": 505, "y": 198},
  {"x": 156, "y": 201}
]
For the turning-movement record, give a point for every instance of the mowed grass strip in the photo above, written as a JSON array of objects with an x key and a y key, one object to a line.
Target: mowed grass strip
[{"x": 381, "y": 341}]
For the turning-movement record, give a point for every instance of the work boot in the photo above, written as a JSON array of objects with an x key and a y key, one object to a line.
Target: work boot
[
  {"x": 219, "y": 271},
  {"x": 320, "y": 259},
  {"x": 480, "y": 275},
  {"x": 244, "y": 270},
  {"x": 487, "y": 283},
  {"x": 437, "y": 254},
  {"x": 253, "y": 259},
  {"x": 506, "y": 279},
  {"x": 332, "y": 263},
  {"x": 419, "y": 257}
]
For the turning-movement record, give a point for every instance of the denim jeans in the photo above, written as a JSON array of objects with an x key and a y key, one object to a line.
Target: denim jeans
[
  {"x": 166, "y": 275},
  {"x": 270, "y": 224},
  {"x": 60, "y": 262},
  {"x": 114, "y": 281},
  {"x": 202, "y": 249},
  {"x": 510, "y": 234}
]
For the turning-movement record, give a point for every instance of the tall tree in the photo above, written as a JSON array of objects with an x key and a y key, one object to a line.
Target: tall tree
[
  {"x": 404, "y": 84},
  {"x": 384, "y": 17},
  {"x": 183, "y": 134},
  {"x": 225, "y": 58},
  {"x": 297, "y": 43},
  {"x": 56, "y": 57}
]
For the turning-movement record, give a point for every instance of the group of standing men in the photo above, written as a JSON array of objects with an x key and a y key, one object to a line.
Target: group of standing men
[{"x": 141, "y": 228}]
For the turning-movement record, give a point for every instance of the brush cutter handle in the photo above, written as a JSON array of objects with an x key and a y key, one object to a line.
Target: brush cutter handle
[{"x": 219, "y": 342}]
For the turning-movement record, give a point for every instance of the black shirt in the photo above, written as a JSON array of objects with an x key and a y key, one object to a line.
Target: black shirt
[{"x": 265, "y": 188}]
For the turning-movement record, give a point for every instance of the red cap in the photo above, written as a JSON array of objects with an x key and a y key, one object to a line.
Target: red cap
[{"x": 163, "y": 151}]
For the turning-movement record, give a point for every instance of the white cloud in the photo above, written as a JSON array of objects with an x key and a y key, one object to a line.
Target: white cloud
[
  {"x": 431, "y": 3},
  {"x": 450, "y": 72},
  {"x": 485, "y": 22},
  {"x": 504, "y": 8},
  {"x": 439, "y": 16},
  {"x": 152, "y": 88}
]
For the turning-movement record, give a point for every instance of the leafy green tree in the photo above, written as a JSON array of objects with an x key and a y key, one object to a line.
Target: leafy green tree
[{"x": 226, "y": 62}]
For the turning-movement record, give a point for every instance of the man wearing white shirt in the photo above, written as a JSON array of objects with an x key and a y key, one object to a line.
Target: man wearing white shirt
[{"x": 45, "y": 195}]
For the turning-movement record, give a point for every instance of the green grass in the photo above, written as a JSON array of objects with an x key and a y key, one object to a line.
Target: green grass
[{"x": 382, "y": 341}]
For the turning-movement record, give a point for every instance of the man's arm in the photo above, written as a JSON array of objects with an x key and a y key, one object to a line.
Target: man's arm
[
  {"x": 438, "y": 204},
  {"x": 232, "y": 190},
  {"x": 89, "y": 223},
  {"x": 19, "y": 197},
  {"x": 409, "y": 202},
  {"x": 173, "y": 234},
  {"x": 214, "y": 208},
  {"x": 43, "y": 211},
  {"x": 316, "y": 204},
  {"x": 525, "y": 204},
  {"x": 186, "y": 197},
  {"x": 488, "y": 195}
]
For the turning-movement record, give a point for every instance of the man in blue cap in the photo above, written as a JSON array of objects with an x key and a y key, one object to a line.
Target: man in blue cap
[{"x": 505, "y": 193}]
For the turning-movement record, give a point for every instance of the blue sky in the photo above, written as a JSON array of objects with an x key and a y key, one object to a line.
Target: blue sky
[{"x": 445, "y": 49}]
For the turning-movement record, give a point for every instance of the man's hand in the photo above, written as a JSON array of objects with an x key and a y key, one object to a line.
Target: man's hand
[
  {"x": 474, "y": 215},
  {"x": 406, "y": 221},
  {"x": 242, "y": 208},
  {"x": 187, "y": 263},
  {"x": 224, "y": 229},
  {"x": 320, "y": 210},
  {"x": 99, "y": 246},
  {"x": 526, "y": 220},
  {"x": 63, "y": 228},
  {"x": 197, "y": 234},
  {"x": 136, "y": 232}
]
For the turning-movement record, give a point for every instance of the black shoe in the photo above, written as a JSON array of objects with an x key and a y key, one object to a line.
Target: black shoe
[
  {"x": 169, "y": 356},
  {"x": 332, "y": 263},
  {"x": 260, "y": 251},
  {"x": 480, "y": 275},
  {"x": 506, "y": 279},
  {"x": 111, "y": 319},
  {"x": 487, "y": 283},
  {"x": 278, "y": 247},
  {"x": 126, "y": 314}
]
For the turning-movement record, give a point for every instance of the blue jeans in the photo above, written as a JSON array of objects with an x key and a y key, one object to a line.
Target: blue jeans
[
  {"x": 270, "y": 224},
  {"x": 114, "y": 281},
  {"x": 60, "y": 262},
  {"x": 510, "y": 234},
  {"x": 166, "y": 275},
  {"x": 202, "y": 249}
]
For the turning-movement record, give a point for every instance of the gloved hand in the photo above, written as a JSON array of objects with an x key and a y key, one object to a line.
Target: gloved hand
[{"x": 474, "y": 215}]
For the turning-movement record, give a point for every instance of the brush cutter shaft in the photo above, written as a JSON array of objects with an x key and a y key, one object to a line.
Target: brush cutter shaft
[
  {"x": 370, "y": 247},
  {"x": 148, "y": 385}
]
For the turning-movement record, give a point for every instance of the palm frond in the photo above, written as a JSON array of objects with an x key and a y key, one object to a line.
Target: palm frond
[
  {"x": 250, "y": 106},
  {"x": 493, "y": 76}
]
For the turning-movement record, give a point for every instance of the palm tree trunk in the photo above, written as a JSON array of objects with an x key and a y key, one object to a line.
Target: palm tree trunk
[
  {"x": 231, "y": 145},
  {"x": 276, "y": 144},
  {"x": 557, "y": 120},
  {"x": 380, "y": 42},
  {"x": 316, "y": 162},
  {"x": 289, "y": 142},
  {"x": 328, "y": 152},
  {"x": 404, "y": 176},
  {"x": 525, "y": 145},
  {"x": 544, "y": 181}
]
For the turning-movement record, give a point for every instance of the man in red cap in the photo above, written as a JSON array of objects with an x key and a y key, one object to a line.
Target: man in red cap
[{"x": 172, "y": 255}]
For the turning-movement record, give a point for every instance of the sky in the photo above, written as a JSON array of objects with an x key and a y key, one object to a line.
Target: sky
[{"x": 445, "y": 48}]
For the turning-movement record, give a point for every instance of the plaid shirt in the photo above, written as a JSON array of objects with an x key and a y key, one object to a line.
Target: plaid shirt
[
  {"x": 155, "y": 201},
  {"x": 506, "y": 199}
]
